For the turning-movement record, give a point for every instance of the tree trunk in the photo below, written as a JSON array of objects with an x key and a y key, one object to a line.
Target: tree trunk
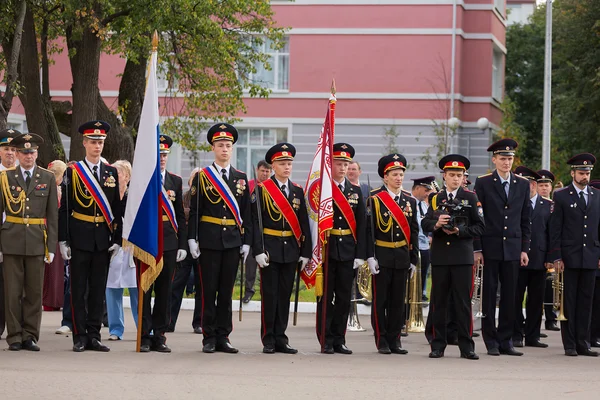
[
  {"x": 38, "y": 109},
  {"x": 131, "y": 92},
  {"x": 85, "y": 65},
  {"x": 119, "y": 141}
]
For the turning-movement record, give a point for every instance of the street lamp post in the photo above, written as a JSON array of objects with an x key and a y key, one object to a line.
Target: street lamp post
[{"x": 483, "y": 125}]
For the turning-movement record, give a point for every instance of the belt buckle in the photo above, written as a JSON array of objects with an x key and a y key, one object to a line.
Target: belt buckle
[
  {"x": 340, "y": 231},
  {"x": 26, "y": 220},
  {"x": 96, "y": 219},
  {"x": 282, "y": 233},
  {"x": 223, "y": 222},
  {"x": 396, "y": 245}
]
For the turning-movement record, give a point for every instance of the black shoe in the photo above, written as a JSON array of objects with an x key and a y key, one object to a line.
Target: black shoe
[
  {"x": 269, "y": 349},
  {"x": 78, "y": 347},
  {"x": 398, "y": 350},
  {"x": 247, "y": 298},
  {"x": 543, "y": 335},
  {"x": 535, "y": 343},
  {"x": 161, "y": 348},
  {"x": 328, "y": 349},
  {"x": 384, "y": 350},
  {"x": 285, "y": 349},
  {"x": 30, "y": 345},
  {"x": 588, "y": 352},
  {"x": 518, "y": 343},
  {"x": 424, "y": 298},
  {"x": 226, "y": 347},
  {"x": 493, "y": 351},
  {"x": 510, "y": 352},
  {"x": 404, "y": 333},
  {"x": 436, "y": 354},
  {"x": 145, "y": 348},
  {"x": 595, "y": 343},
  {"x": 364, "y": 301},
  {"x": 342, "y": 349},
  {"x": 571, "y": 352},
  {"x": 209, "y": 348},
  {"x": 97, "y": 345},
  {"x": 198, "y": 330},
  {"x": 475, "y": 334},
  {"x": 170, "y": 329},
  {"x": 471, "y": 355},
  {"x": 552, "y": 326},
  {"x": 15, "y": 346}
]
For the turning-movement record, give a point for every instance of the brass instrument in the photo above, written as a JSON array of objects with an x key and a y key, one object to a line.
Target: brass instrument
[
  {"x": 364, "y": 282},
  {"x": 353, "y": 324},
  {"x": 558, "y": 287},
  {"x": 477, "y": 298},
  {"x": 414, "y": 297}
]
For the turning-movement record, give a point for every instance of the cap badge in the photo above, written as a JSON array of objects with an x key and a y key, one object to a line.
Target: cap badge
[
  {"x": 585, "y": 163},
  {"x": 455, "y": 163},
  {"x": 344, "y": 146},
  {"x": 284, "y": 153},
  {"x": 396, "y": 163},
  {"x": 343, "y": 154},
  {"x": 223, "y": 126},
  {"x": 27, "y": 137},
  {"x": 395, "y": 157},
  {"x": 162, "y": 138},
  {"x": 285, "y": 146},
  {"x": 8, "y": 140},
  {"x": 98, "y": 123},
  {"x": 27, "y": 145},
  {"x": 507, "y": 147},
  {"x": 10, "y": 131},
  {"x": 97, "y": 131}
]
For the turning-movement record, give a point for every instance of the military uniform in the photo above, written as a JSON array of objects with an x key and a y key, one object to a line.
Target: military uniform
[
  {"x": 88, "y": 236},
  {"x": 452, "y": 260},
  {"x": 532, "y": 277},
  {"x": 156, "y": 320},
  {"x": 507, "y": 234},
  {"x": 575, "y": 242},
  {"x": 595, "y": 324},
  {"x": 395, "y": 249},
  {"x": 6, "y": 136},
  {"x": 347, "y": 250},
  {"x": 29, "y": 199},
  {"x": 219, "y": 234}
]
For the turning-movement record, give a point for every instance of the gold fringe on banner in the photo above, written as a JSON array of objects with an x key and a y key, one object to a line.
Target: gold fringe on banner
[
  {"x": 154, "y": 268},
  {"x": 319, "y": 281}
]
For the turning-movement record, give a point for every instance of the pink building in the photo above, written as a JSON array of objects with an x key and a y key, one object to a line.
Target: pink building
[{"x": 392, "y": 61}]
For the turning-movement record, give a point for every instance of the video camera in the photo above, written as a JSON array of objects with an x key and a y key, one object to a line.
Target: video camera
[{"x": 458, "y": 211}]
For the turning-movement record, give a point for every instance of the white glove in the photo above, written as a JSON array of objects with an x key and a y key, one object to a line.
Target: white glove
[
  {"x": 245, "y": 250},
  {"x": 373, "y": 265},
  {"x": 304, "y": 262},
  {"x": 1, "y": 257},
  {"x": 49, "y": 259},
  {"x": 114, "y": 248},
  {"x": 181, "y": 254},
  {"x": 194, "y": 250},
  {"x": 65, "y": 251},
  {"x": 358, "y": 262},
  {"x": 412, "y": 269},
  {"x": 262, "y": 260}
]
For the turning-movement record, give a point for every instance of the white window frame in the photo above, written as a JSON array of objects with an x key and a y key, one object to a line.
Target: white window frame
[
  {"x": 498, "y": 66},
  {"x": 275, "y": 66},
  {"x": 248, "y": 167},
  {"x": 500, "y": 5}
]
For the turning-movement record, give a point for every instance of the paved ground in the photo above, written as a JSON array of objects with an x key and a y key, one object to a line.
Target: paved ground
[{"x": 57, "y": 372}]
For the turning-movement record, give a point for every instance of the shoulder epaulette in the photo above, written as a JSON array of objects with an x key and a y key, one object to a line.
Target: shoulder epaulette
[
  {"x": 522, "y": 177},
  {"x": 406, "y": 192},
  {"x": 547, "y": 198},
  {"x": 170, "y": 173},
  {"x": 295, "y": 184},
  {"x": 468, "y": 190},
  {"x": 483, "y": 176},
  {"x": 43, "y": 169}
]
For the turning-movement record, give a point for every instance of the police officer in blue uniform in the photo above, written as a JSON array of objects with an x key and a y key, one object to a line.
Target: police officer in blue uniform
[
  {"x": 575, "y": 247},
  {"x": 532, "y": 277},
  {"x": 503, "y": 247}
]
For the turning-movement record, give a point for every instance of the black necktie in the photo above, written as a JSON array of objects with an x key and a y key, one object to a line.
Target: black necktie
[
  {"x": 421, "y": 209},
  {"x": 582, "y": 202},
  {"x": 27, "y": 178},
  {"x": 283, "y": 190},
  {"x": 397, "y": 199},
  {"x": 95, "y": 169},
  {"x": 505, "y": 187},
  {"x": 450, "y": 197},
  {"x": 341, "y": 188},
  {"x": 224, "y": 174}
]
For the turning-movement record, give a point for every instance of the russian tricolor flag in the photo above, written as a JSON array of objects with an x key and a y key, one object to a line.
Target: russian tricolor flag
[{"x": 142, "y": 227}]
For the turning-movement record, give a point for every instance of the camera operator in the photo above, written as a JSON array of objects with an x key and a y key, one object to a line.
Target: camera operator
[{"x": 455, "y": 216}]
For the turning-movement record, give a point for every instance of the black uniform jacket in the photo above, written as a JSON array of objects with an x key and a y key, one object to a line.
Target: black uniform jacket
[
  {"x": 345, "y": 248},
  {"x": 174, "y": 240},
  {"x": 540, "y": 233},
  {"x": 573, "y": 231},
  {"x": 453, "y": 249},
  {"x": 281, "y": 249},
  {"x": 507, "y": 222},
  {"x": 206, "y": 201},
  {"x": 83, "y": 235},
  {"x": 387, "y": 230}
]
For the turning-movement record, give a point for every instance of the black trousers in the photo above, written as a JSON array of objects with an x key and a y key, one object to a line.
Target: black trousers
[
  {"x": 340, "y": 277},
  {"x": 579, "y": 294},
  {"x": 156, "y": 320},
  {"x": 181, "y": 276},
  {"x": 458, "y": 280},
  {"x": 548, "y": 300},
  {"x": 507, "y": 273},
  {"x": 89, "y": 271},
  {"x": 276, "y": 283},
  {"x": 2, "y": 317},
  {"x": 424, "y": 268},
  {"x": 250, "y": 275},
  {"x": 218, "y": 269},
  {"x": 387, "y": 309},
  {"x": 451, "y": 324},
  {"x": 534, "y": 282},
  {"x": 595, "y": 325}
]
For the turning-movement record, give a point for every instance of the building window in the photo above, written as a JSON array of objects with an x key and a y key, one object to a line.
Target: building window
[
  {"x": 253, "y": 143},
  {"x": 497, "y": 75},
  {"x": 500, "y": 6},
  {"x": 278, "y": 78},
  {"x": 165, "y": 80}
]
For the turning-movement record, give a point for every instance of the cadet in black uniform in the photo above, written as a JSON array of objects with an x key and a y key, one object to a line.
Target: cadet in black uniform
[
  {"x": 347, "y": 252},
  {"x": 452, "y": 255},
  {"x": 503, "y": 246},
  {"x": 595, "y": 325},
  {"x": 575, "y": 247},
  {"x": 219, "y": 230},
  {"x": 284, "y": 242},
  {"x": 89, "y": 230},
  {"x": 394, "y": 253},
  {"x": 544, "y": 189},
  {"x": 156, "y": 320},
  {"x": 533, "y": 276}
]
